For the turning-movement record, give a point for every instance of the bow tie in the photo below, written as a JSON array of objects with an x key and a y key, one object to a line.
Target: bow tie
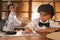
[{"x": 45, "y": 24}]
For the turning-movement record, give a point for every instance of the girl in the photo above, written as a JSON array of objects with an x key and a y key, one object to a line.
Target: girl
[{"x": 12, "y": 21}]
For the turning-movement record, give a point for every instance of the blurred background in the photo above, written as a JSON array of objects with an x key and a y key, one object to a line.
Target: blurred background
[{"x": 27, "y": 9}]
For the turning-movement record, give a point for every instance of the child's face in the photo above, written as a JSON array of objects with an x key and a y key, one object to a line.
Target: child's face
[
  {"x": 44, "y": 16},
  {"x": 12, "y": 8}
]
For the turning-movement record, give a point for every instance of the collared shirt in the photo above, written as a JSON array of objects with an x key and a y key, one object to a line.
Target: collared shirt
[
  {"x": 12, "y": 22},
  {"x": 34, "y": 24}
]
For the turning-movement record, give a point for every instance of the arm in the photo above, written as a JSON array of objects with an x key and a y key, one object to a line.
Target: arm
[
  {"x": 47, "y": 30},
  {"x": 53, "y": 26},
  {"x": 17, "y": 22},
  {"x": 27, "y": 30},
  {"x": 30, "y": 27}
]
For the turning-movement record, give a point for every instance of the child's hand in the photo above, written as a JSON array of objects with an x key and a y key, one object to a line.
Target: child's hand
[
  {"x": 20, "y": 19},
  {"x": 27, "y": 30}
]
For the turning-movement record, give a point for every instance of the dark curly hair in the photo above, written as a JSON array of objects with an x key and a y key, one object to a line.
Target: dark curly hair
[{"x": 46, "y": 8}]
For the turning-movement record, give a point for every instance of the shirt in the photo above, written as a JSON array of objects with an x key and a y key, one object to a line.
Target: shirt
[
  {"x": 12, "y": 22},
  {"x": 33, "y": 25}
]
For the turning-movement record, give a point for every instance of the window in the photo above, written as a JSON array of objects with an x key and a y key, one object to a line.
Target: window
[{"x": 27, "y": 9}]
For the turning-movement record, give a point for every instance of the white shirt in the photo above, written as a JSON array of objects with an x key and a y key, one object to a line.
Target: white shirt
[
  {"x": 12, "y": 22},
  {"x": 34, "y": 24}
]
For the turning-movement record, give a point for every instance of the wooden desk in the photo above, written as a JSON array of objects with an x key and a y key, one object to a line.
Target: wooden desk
[
  {"x": 19, "y": 36},
  {"x": 24, "y": 37},
  {"x": 44, "y": 33},
  {"x": 54, "y": 35}
]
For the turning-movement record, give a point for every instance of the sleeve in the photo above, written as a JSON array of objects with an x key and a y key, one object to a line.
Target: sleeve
[
  {"x": 55, "y": 24},
  {"x": 31, "y": 25},
  {"x": 17, "y": 21}
]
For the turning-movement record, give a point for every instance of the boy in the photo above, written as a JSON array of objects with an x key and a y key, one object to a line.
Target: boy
[{"x": 44, "y": 22}]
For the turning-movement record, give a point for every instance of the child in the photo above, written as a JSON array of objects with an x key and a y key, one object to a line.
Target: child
[
  {"x": 12, "y": 21},
  {"x": 44, "y": 22}
]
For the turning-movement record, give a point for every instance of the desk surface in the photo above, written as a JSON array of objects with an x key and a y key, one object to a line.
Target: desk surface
[
  {"x": 23, "y": 36},
  {"x": 54, "y": 35},
  {"x": 20, "y": 33},
  {"x": 19, "y": 36}
]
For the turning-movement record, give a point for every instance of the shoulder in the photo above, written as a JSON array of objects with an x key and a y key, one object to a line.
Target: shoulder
[
  {"x": 36, "y": 20},
  {"x": 52, "y": 20},
  {"x": 10, "y": 14},
  {"x": 54, "y": 23}
]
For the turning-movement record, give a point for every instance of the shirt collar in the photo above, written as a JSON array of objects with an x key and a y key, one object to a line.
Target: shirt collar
[{"x": 46, "y": 21}]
